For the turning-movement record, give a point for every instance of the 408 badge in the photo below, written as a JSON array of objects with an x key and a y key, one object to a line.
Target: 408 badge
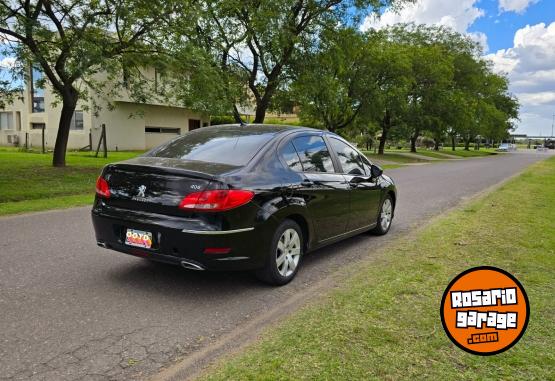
[{"x": 485, "y": 310}]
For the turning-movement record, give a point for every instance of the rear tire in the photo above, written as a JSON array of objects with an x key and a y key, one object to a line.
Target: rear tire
[
  {"x": 385, "y": 217},
  {"x": 284, "y": 258}
]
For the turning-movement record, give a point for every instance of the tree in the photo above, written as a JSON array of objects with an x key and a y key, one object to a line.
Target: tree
[
  {"x": 257, "y": 40},
  {"x": 334, "y": 86},
  {"x": 8, "y": 90},
  {"x": 357, "y": 81},
  {"x": 486, "y": 108},
  {"x": 73, "y": 41},
  {"x": 393, "y": 78}
]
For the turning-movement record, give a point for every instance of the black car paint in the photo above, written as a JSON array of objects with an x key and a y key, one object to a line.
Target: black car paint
[{"x": 328, "y": 206}]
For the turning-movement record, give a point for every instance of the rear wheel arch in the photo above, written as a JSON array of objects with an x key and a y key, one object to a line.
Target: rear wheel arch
[{"x": 303, "y": 224}]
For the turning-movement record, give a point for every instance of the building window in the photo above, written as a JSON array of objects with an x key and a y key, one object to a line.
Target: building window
[
  {"x": 6, "y": 121},
  {"x": 158, "y": 82},
  {"x": 162, "y": 130},
  {"x": 37, "y": 90},
  {"x": 38, "y": 126},
  {"x": 194, "y": 124},
  {"x": 18, "y": 120},
  {"x": 77, "y": 121}
]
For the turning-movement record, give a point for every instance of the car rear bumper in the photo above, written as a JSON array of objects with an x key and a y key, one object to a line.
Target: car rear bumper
[{"x": 176, "y": 242}]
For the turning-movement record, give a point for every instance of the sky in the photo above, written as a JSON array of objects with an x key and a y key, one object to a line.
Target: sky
[{"x": 518, "y": 36}]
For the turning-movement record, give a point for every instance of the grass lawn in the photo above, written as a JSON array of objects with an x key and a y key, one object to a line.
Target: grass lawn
[
  {"x": 432, "y": 154},
  {"x": 28, "y": 182},
  {"x": 394, "y": 157},
  {"x": 383, "y": 322},
  {"x": 460, "y": 152},
  {"x": 390, "y": 166}
]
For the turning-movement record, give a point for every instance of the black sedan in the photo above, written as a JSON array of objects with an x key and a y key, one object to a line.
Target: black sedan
[{"x": 241, "y": 197}]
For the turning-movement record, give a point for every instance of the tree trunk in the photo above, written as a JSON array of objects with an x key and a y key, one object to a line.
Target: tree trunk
[
  {"x": 467, "y": 144},
  {"x": 413, "y": 139},
  {"x": 386, "y": 124},
  {"x": 436, "y": 144},
  {"x": 260, "y": 112},
  {"x": 236, "y": 115},
  {"x": 69, "y": 103},
  {"x": 453, "y": 147}
]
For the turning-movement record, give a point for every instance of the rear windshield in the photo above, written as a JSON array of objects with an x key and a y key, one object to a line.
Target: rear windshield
[{"x": 232, "y": 146}]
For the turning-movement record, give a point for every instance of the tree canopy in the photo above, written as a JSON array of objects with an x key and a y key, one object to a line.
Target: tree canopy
[
  {"x": 407, "y": 79},
  {"x": 216, "y": 56}
]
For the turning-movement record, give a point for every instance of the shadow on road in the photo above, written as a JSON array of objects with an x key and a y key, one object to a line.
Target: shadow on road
[{"x": 173, "y": 281}]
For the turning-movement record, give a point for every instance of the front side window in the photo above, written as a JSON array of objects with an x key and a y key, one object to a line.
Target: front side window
[
  {"x": 314, "y": 154},
  {"x": 77, "y": 121},
  {"x": 233, "y": 145},
  {"x": 349, "y": 158}
]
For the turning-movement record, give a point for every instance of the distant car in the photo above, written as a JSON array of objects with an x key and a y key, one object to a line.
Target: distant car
[
  {"x": 254, "y": 197},
  {"x": 504, "y": 147}
]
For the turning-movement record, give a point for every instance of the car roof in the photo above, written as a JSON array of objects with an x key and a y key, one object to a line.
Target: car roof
[{"x": 277, "y": 128}]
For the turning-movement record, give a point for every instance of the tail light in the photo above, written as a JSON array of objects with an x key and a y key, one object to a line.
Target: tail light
[
  {"x": 102, "y": 188},
  {"x": 216, "y": 200}
]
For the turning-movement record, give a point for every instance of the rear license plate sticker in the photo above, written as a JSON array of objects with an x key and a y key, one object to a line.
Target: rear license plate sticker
[{"x": 138, "y": 238}]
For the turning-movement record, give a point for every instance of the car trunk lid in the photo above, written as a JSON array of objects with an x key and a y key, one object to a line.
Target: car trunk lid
[{"x": 157, "y": 184}]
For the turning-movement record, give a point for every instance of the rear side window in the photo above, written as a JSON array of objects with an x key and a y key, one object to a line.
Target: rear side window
[
  {"x": 231, "y": 146},
  {"x": 289, "y": 155},
  {"x": 313, "y": 153},
  {"x": 350, "y": 160}
]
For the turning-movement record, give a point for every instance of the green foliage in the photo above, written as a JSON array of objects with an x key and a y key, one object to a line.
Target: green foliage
[
  {"x": 218, "y": 56},
  {"x": 407, "y": 81},
  {"x": 254, "y": 43},
  {"x": 221, "y": 119}
]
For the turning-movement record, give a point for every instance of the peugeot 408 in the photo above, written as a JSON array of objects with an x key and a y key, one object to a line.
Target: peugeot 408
[{"x": 241, "y": 197}]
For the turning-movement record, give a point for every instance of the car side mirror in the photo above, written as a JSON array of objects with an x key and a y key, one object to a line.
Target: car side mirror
[{"x": 375, "y": 171}]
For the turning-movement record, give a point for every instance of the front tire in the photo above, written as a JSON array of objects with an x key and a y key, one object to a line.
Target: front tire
[
  {"x": 384, "y": 217},
  {"x": 282, "y": 263}
]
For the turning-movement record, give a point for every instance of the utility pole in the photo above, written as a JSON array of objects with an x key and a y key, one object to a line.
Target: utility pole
[{"x": 552, "y": 125}]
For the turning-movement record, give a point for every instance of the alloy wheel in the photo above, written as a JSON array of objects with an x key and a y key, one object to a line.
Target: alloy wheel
[
  {"x": 385, "y": 216},
  {"x": 288, "y": 252}
]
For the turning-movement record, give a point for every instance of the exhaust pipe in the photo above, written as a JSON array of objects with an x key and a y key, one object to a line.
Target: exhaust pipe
[{"x": 191, "y": 265}]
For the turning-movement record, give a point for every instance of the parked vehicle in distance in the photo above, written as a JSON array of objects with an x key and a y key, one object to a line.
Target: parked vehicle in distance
[
  {"x": 504, "y": 147},
  {"x": 241, "y": 197}
]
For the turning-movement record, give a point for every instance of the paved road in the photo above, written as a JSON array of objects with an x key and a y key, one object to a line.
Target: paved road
[{"x": 70, "y": 310}]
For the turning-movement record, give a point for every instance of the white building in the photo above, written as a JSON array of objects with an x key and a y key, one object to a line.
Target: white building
[{"x": 129, "y": 125}]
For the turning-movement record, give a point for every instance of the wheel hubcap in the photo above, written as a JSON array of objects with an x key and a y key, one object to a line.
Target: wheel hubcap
[
  {"x": 288, "y": 252},
  {"x": 385, "y": 216}
]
